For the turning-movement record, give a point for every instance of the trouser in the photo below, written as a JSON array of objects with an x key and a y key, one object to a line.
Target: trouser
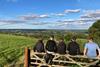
[{"x": 48, "y": 58}]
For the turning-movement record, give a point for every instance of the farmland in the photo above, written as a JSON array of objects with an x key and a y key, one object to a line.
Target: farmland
[{"x": 12, "y": 49}]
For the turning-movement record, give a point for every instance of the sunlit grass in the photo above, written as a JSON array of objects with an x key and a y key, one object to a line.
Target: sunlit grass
[{"x": 12, "y": 47}]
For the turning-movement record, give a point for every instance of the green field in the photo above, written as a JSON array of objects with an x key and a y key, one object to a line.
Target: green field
[{"x": 12, "y": 49}]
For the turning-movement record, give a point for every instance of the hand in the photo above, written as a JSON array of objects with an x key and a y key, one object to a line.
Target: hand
[
  {"x": 98, "y": 56},
  {"x": 85, "y": 56}
]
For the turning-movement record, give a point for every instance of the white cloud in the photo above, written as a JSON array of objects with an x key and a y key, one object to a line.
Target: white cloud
[
  {"x": 92, "y": 13},
  {"x": 81, "y": 22},
  {"x": 85, "y": 16},
  {"x": 60, "y": 14},
  {"x": 11, "y": 21},
  {"x": 88, "y": 11},
  {"x": 39, "y": 23},
  {"x": 72, "y": 11},
  {"x": 44, "y": 16},
  {"x": 85, "y": 19},
  {"x": 33, "y": 16},
  {"x": 69, "y": 25}
]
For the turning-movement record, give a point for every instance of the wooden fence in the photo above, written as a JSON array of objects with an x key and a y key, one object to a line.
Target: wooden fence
[{"x": 35, "y": 59}]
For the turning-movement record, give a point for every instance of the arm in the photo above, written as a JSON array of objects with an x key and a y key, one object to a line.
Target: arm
[
  {"x": 98, "y": 50},
  {"x": 46, "y": 47},
  {"x": 34, "y": 48},
  {"x": 85, "y": 51},
  {"x": 43, "y": 48},
  {"x": 65, "y": 47},
  {"x": 68, "y": 47},
  {"x": 78, "y": 49},
  {"x": 55, "y": 47}
]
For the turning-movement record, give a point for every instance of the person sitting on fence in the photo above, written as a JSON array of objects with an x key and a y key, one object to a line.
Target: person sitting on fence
[
  {"x": 61, "y": 48},
  {"x": 39, "y": 46},
  {"x": 50, "y": 47},
  {"x": 91, "y": 49},
  {"x": 73, "y": 47}
]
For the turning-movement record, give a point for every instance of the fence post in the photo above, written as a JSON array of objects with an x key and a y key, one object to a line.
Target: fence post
[{"x": 27, "y": 57}]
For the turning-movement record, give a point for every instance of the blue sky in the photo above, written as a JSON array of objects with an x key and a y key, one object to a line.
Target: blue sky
[{"x": 48, "y": 14}]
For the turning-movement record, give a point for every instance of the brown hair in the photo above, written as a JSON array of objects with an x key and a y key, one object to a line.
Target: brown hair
[{"x": 90, "y": 38}]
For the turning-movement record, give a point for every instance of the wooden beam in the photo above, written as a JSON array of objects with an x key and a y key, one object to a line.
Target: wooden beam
[{"x": 27, "y": 57}]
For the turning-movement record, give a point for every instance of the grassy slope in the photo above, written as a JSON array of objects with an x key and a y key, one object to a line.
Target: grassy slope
[{"x": 12, "y": 48}]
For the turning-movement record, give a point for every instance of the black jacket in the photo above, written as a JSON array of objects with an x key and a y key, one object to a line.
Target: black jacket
[
  {"x": 73, "y": 48},
  {"x": 39, "y": 47},
  {"x": 51, "y": 46},
  {"x": 61, "y": 48}
]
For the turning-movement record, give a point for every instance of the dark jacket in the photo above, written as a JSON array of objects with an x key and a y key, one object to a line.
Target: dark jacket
[
  {"x": 73, "y": 48},
  {"x": 39, "y": 47},
  {"x": 51, "y": 46},
  {"x": 61, "y": 48}
]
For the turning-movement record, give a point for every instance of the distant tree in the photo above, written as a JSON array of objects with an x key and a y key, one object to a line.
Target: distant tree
[
  {"x": 81, "y": 35},
  {"x": 95, "y": 27},
  {"x": 94, "y": 30}
]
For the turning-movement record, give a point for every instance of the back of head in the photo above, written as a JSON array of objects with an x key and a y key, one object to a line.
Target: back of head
[
  {"x": 73, "y": 38},
  {"x": 61, "y": 39},
  {"x": 40, "y": 39},
  {"x": 52, "y": 37},
  {"x": 90, "y": 38}
]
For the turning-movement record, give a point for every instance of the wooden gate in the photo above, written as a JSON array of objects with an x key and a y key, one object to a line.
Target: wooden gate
[{"x": 35, "y": 59}]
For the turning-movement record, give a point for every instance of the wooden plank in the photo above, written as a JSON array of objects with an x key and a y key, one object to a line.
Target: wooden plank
[
  {"x": 40, "y": 64},
  {"x": 59, "y": 61},
  {"x": 93, "y": 63}
]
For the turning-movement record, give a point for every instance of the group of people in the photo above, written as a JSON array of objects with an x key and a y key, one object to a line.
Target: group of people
[{"x": 91, "y": 49}]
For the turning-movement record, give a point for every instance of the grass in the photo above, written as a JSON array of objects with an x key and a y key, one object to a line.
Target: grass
[{"x": 12, "y": 48}]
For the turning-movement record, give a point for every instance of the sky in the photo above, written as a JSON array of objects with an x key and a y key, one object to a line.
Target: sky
[{"x": 48, "y": 14}]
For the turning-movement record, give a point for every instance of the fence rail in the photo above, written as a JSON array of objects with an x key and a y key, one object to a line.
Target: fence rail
[{"x": 37, "y": 59}]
